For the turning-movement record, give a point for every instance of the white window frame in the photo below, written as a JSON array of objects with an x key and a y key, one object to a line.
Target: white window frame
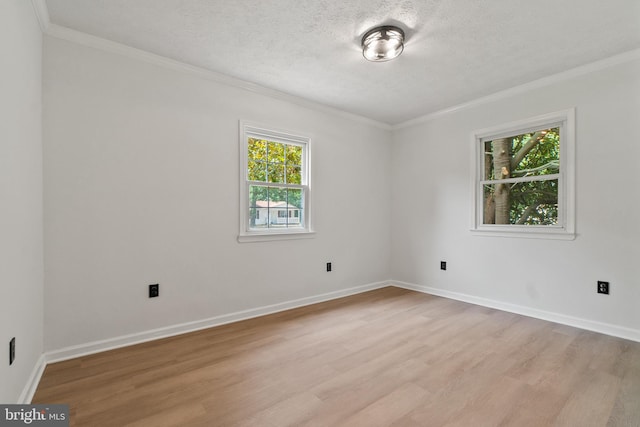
[
  {"x": 565, "y": 229},
  {"x": 247, "y": 234}
]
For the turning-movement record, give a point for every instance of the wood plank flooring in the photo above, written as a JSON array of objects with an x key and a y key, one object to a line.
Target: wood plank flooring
[{"x": 389, "y": 357}]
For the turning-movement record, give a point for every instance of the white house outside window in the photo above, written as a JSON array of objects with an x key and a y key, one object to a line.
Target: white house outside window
[
  {"x": 274, "y": 184},
  {"x": 523, "y": 180}
]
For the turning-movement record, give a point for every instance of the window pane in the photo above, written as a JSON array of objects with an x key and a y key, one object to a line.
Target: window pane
[
  {"x": 276, "y": 173},
  {"x": 257, "y": 149},
  {"x": 258, "y": 196},
  {"x": 527, "y": 154},
  {"x": 523, "y": 203},
  {"x": 488, "y": 160},
  {"x": 258, "y": 204},
  {"x": 274, "y": 161},
  {"x": 272, "y": 218},
  {"x": 256, "y": 218},
  {"x": 257, "y": 171},
  {"x": 273, "y": 207},
  {"x": 277, "y": 196},
  {"x": 275, "y": 152},
  {"x": 295, "y": 198},
  {"x": 537, "y": 153},
  {"x": 296, "y": 206},
  {"x": 294, "y": 155},
  {"x": 294, "y": 175}
]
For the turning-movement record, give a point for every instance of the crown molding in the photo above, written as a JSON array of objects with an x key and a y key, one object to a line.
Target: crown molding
[
  {"x": 84, "y": 39},
  {"x": 99, "y": 43},
  {"x": 42, "y": 13},
  {"x": 592, "y": 67}
]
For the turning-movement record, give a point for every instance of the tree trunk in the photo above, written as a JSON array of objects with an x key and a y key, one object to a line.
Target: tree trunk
[
  {"x": 501, "y": 170},
  {"x": 489, "y": 204}
]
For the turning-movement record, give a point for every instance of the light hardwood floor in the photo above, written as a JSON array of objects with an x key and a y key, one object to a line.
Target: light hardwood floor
[{"x": 389, "y": 357}]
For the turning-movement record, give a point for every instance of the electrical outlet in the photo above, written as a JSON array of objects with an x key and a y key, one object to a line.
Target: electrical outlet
[
  {"x": 12, "y": 350},
  {"x": 154, "y": 290},
  {"x": 603, "y": 287},
  {"x": 328, "y": 266},
  {"x": 443, "y": 265}
]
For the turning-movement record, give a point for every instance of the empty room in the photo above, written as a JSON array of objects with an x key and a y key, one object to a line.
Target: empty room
[{"x": 320, "y": 213}]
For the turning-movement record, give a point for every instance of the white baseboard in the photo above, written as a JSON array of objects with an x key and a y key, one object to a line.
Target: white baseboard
[
  {"x": 137, "y": 338},
  {"x": 34, "y": 379},
  {"x": 140, "y": 337},
  {"x": 590, "y": 325}
]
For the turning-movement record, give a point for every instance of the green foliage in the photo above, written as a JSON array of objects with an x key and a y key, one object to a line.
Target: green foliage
[
  {"x": 271, "y": 164},
  {"x": 536, "y": 202},
  {"x": 533, "y": 202},
  {"x": 274, "y": 162},
  {"x": 274, "y": 195},
  {"x": 544, "y": 157}
]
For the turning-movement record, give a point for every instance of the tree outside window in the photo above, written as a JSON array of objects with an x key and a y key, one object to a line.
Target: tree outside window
[
  {"x": 524, "y": 178},
  {"x": 274, "y": 184},
  {"x": 521, "y": 178}
]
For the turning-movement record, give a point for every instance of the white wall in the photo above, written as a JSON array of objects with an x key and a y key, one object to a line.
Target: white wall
[
  {"x": 21, "y": 267},
  {"x": 141, "y": 186},
  {"x": 431, "y": 199}
]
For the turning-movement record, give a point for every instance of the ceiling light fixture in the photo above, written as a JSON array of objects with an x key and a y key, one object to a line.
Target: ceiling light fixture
[{"x": 383, "y": 43}]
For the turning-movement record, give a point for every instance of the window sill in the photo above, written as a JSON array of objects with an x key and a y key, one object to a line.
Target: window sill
[
  {"x": 555, "y": 234},
  {"x": 270, "y": 237},
  {"x": 526, "y": 232}
]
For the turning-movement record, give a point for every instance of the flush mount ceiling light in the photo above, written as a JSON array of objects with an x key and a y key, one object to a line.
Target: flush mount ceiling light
[{"x": 383, "y": 43}]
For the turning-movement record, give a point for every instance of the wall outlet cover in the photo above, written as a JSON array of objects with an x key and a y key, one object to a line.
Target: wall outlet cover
[
  {"x": 12, "y": 350},
  {"x": 154, "y": 290},
  {"x": 603, "y": 287}
]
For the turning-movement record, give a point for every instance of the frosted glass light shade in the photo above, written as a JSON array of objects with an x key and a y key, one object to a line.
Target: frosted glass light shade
[{"x": 382, "y": 43}]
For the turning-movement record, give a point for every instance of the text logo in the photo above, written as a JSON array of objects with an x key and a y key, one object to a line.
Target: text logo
[{"x": 34, "y": 415}]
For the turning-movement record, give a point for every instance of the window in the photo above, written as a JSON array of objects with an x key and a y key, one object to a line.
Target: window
[
  {"x": 274, "y": 186},
  {"x": 523, "y": 183}
]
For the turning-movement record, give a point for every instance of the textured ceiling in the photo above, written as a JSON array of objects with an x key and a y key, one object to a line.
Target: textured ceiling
[{"x": 456, "y": 50}]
